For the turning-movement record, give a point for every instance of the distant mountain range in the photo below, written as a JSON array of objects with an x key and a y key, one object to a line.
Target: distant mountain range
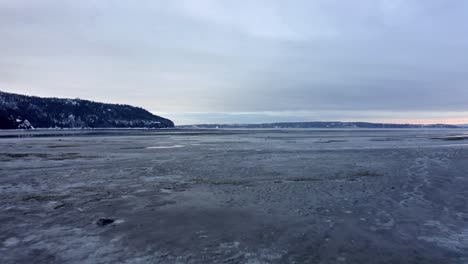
[
  {"x": 320, "y": 125},
  {"x": 25, "y": 112}
]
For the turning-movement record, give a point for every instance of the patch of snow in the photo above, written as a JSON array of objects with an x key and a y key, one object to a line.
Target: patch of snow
[
  {"x": 165, "y": 147},
  {"x": 25, "y": 125},
  {"x": 451, "y": 239},
  {"x": 12, "y": 241}
]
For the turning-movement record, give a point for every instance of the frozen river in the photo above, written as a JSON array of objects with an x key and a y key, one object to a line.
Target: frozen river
[{"x": 234, "y": 196}]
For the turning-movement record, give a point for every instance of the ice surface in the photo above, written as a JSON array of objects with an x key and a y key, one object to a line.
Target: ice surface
[{"x": 233, "y": 196}]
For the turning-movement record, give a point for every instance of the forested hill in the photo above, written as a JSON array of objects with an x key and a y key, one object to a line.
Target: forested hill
[{"x": 20, "y": 111}]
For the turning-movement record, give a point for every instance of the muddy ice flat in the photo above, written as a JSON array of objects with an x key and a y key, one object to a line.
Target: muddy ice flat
[{"x": 234, "y": 196}]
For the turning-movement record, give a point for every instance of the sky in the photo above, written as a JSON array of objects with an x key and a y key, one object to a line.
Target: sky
[{"x": 245, "y": 61}]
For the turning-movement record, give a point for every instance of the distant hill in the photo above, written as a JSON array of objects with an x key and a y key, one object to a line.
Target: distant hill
[
  {"x": 20, "y": 111},
  {"x": 320, "y": 125}
]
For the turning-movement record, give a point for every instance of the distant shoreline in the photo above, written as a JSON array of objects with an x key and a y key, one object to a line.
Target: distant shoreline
[{"x": 322, "y": 125}]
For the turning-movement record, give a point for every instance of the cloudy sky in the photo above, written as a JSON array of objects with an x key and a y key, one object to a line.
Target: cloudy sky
[{"x": 223, "y": 61}]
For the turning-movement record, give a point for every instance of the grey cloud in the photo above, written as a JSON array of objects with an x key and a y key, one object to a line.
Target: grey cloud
[{"x": 221, "y": 56}]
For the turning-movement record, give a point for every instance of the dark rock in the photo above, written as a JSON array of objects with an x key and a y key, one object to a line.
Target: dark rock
[
  {"x": 59, "y": 206},
  {"x": 104, "y": 221}
]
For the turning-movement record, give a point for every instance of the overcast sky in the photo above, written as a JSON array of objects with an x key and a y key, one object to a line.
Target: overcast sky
[{"x": 202, "y": 61}]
